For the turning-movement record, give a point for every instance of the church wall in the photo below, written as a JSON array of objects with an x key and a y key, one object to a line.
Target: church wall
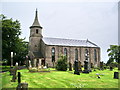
[
  {"x": 98, "y": 56},
  {"x": 48, "y": 56},
  {"x": 70, "y": 54},
  {"x": 43, "y": 48},
  {"x": 92, "y": 56},
  {"x": 82, "y": 55},
  {"x": 34, "y": 44},
  {"x": 33, "y": 32}
]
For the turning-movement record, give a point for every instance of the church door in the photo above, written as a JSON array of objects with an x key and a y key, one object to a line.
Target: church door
[{"x": 43, "y": 62}]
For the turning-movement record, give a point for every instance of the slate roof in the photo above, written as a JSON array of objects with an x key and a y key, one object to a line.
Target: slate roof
[
  {"x": 37, "y": 55},
  {"x": 68, "y": 42}
]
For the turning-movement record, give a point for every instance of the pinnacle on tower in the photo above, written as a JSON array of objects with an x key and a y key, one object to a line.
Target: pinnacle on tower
[{"x": 36, "y": 22}]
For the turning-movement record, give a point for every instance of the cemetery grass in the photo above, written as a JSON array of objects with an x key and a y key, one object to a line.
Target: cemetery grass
[{"x": 63, "y": 79}]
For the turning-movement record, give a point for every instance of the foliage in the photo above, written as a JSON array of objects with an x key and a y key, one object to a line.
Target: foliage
[
  {"x": 62, "y": 63},
  {"x": 11, "y": 41},
  {"x": 114, "y": 54}
]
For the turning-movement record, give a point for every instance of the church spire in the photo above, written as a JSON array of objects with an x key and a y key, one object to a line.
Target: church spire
[{"x": 36, "y": 22}]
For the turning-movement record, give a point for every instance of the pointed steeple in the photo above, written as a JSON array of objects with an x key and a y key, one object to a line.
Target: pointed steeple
[{"x": 36, "y": 22}]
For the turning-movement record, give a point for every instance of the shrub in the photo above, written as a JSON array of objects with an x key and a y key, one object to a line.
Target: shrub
[{"x": 61, "y": 63}]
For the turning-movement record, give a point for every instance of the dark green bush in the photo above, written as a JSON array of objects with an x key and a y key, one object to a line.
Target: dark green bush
[{"x": 61, "y": 63}]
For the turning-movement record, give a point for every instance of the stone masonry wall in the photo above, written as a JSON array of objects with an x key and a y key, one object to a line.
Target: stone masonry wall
[{"x": 71, "y": 54}]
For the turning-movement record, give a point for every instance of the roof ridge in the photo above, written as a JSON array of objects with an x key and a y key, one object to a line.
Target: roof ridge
[
  {"x": 92, "y": 43},
  {"x": 65, "y": 38}
]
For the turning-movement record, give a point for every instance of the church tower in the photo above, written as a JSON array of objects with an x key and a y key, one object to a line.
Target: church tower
[{"x": 35, "y": 37}]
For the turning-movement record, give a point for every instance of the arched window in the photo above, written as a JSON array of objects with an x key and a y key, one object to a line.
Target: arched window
[
  {"x": 86, "y": 54},
  {"x": 95, "y": 55},
  {"x": 76, "y": 54},
  {"x": 36, "y": 31},
  {"x": 53, "y": 54},
  {"x": 65, "y": 51}
]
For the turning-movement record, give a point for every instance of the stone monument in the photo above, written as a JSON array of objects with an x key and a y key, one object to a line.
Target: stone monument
[
  {"x": 76, "y": 68},
  {"x": 85, "y": 67}
]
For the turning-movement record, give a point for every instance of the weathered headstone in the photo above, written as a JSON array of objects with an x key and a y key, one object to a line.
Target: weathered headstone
[
  {"x": 116, "y": 75},
  {"x": 85, "y": 67},
  {"x": 76, "y": 68},
  {"x": 92, "y": 65},
  {"x": 70, "y": 66},
  {"x": 14, "y": 75},
  {"x": 11, "y": 71},
  {"x": 101, "y": 65},
  {"x": 79, "y": 66},
  {"x": 22, "y": 86}
]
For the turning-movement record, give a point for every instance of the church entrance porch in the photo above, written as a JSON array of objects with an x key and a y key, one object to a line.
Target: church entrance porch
[{"x": 38, "y": 62}]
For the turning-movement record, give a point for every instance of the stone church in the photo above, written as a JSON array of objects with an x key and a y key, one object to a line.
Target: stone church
[{"x": 46, "y": 51}]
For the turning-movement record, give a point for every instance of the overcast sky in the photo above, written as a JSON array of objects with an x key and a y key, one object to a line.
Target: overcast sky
[{"x": 95, "y": 21}]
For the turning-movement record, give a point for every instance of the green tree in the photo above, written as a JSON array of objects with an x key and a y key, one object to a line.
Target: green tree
[
  {"x": 114, "y": 54},
  {"x": 22, "y": 47},
  {"x": 10, "y": 38},
  {"x": 62, "y": 63}
]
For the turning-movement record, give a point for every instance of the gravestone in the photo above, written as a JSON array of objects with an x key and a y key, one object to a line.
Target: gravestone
[
  {"x": 79, "y": 66},
  {"x": 70, "y": 66},
  {"x": 101, "y": 65},
  {"x": 116, "y": 75},
  {"x": 47, "y": 65},
  {"x": 76, "y": 68},
  {"x": 19, "y": 78},
  {"x": 85, "y": 67},
  {"x": 22, "y": 86},
  {"x": 92, "y": 65},
  {"x": 111, "y": 68},
  {"x": 14, "y": 75},
  {"x": 11, "y": 71}
]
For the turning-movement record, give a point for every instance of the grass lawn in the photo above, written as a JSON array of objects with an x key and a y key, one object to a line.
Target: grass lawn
[{"x": 63, "y": 79}]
